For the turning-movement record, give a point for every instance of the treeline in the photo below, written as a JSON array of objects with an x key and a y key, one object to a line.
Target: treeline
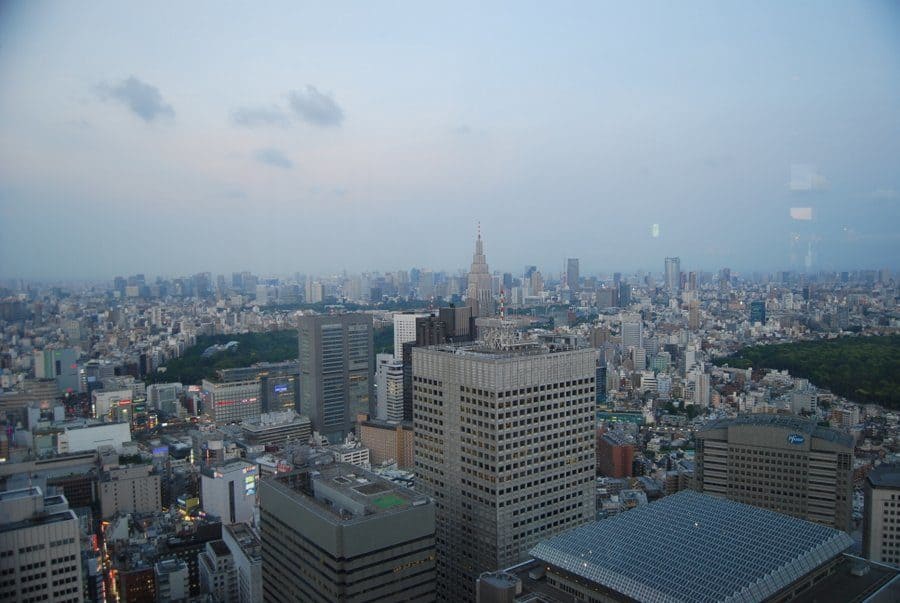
[
  {"x": 862, "y": 369},
  {"x": 192, "y": 367}
]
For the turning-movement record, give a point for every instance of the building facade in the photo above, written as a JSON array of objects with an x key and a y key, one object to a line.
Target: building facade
[
  {"x": 229, "y": 491},
  {"x": 881, "y": 515},
  {"x": 389, "y": 388},
  {"x": 135, "y": 489},
  {"x": 779, "y": 462},
  {"x": 522, "y": 465},
  {"x": 231, "y": 401},
  {"x": 344, "y": 534},
  {"x": 337, "y": 375},
  {"x": 479, "y": 294}
]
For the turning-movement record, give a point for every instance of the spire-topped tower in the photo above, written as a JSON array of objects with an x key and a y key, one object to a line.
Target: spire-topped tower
[{"x": 478, "y": 293}]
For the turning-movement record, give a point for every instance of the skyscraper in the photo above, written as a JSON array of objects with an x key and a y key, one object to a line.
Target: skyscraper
[
  {"x": 758, "y": 311},
  {"x": 504, "y": 443},
  {"x": 336, "y": 371},
  {"x": 478, "y": 294},
  {"x": 673, "y": 275},
  {"x": 572, "y": 276},
  {"x": 389, "y": 378}
]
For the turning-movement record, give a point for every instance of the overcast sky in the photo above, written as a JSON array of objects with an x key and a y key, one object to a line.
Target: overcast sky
[{"x": 172, "y": 138}]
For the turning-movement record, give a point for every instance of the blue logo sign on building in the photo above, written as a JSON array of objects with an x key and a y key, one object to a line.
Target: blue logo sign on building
[{"x": 796, "y": 439}]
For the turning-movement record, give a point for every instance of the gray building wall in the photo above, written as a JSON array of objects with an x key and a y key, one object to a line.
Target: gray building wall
[
  {"x": 504, "y": 443},
  {"x": 337, "y": 371}
]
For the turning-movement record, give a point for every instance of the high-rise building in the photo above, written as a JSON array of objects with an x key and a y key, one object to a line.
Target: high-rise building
[
  {"x": 881, "y": 515},
  {"x": 779, "y": 462},
  {"x": 758, "y": 311},
  {"x": 632, "y": 332},
  {"x": 504, "y": 443},
  {"x": 694, "y": 315},
  {"x": 404, "y": 330},
  {"x": 172, "y": 581},
  {"x": 479, "y": 294},
  {"x": 337, "y": 375},
  {"x": 229, "y": 491},
  {"x": 573, "y": 278},
  {"x": 40, "y": 548},
  {"x": 389, "y": 388},
  {"x": 673, "y": 275},
  {"x": 341, "y": 533}
]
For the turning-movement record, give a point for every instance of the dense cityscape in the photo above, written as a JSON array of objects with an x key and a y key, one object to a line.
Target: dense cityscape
[
  {"x": 505, "y": 425},
  {"x": 469, "y": 302}
]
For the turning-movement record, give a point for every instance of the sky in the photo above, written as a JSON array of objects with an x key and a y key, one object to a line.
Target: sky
[{"x": 170, "y": 138}]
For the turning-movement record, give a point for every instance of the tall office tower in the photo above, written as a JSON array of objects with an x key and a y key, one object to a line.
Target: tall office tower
[
  {"x": 478, "y": 293},
  {"x": 632, "y": 334},
  {"x": 404, "y": 330},
  {"x": 573, "y": 278},
  {"x": 692, "y": 281},
  {"x": 778, "y": 462},
  {"x": 725, "y": 280},
  {"x": 231, "y": 401},
  {"x": 389, "y": 390},
  {"x": 694, "y": 315},
  {"x": 40, "y": 548},
  {"x": 881, "y": 534},
  {"x": 229, "y": 491},
  {"x": 758, "y": 311},
  {"x": 673, "y": 275},
  {"x": 504, "y": 444},
  {"x": 337, "y": 376},
  {"x": 341, "y": 533},
  {"x": 429, "y": 330},
  {"x": 457, "y": 322}
]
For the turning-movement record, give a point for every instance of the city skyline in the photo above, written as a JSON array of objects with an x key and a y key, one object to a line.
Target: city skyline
[{"x": 140, "y": 139}]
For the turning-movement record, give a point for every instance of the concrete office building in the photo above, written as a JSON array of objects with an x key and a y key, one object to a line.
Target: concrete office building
[
  {"x": 881, "y": 515},
  {"x": 229, "y": 491},
  {"x": 40, "y": 548},
  {"x": 404, "y": 330},
  {"x": 389, "y": 388},
  {"x": 164, "y": 397},
  {"x": 135, "y": 489},
  {"x": 504, "y": 443},
  {"x": 103, "y": 401},
  {"x": 279, "y": 383},
  {"x": 246, "y": 550},
  {"x": 231, "y": 401},
  {"x": 79, "y": 437},
  {"x": 344, "y": 534},
  {"x": 218, "y": 574},
  {"x": 337, "y": 376},
  {"x": 388, "y": 441},
  {"x": 779, "y": 462},
  {"x": 172, "y": 580},
  {"x": 277, "y": 428}
]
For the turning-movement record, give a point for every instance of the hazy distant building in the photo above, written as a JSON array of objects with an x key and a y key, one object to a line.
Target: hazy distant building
[
  {"x": 344, "y": 534},
  {"x": 758, "y": 311},
  {"x": 337, "y": 375},
  {"x": 479, "y": 296},
  {"x": 522, "y": 465},
  {"x": 779, "y": 462},
  {"x": 572, "y": 274},
  {"x": 673, "y": 275},
  {"x": 881, "y": 515}
]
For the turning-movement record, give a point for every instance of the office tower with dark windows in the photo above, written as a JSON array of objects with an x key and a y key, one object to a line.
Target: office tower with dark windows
[
  {"x": 337, "y": 372},
  {"x": 279, "y": 383},
  {"x": 758, "y": 311},
  {"x": 572, "y": 274},
  {"x": 881, "y": 515},
  {"x": 673, "y": 275},
  {"x": 783, "y": 463},
  {"x": 504, "y": 444},
  {"x": 341, "y": 533}
]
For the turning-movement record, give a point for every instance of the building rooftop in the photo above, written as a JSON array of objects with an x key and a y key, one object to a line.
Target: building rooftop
[
  {"x": 714, "y": 550},
  {"x": 885, "y": 476},
  {"x": 348, "y": 493},
  {"x": 791, "y": 422}
]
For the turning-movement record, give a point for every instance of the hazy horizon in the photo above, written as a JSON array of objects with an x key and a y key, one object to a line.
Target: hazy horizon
[{"x": 282, "y": 138}]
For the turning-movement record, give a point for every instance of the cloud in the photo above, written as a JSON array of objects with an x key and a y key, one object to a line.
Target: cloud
[
  {"x": 143, "y": 99},
  {"x": 252, "y": 117},
  {"x": 274, "y": 157},
  {"x": 805, "y": 177},
  {"x": 316, "y": 107}
]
